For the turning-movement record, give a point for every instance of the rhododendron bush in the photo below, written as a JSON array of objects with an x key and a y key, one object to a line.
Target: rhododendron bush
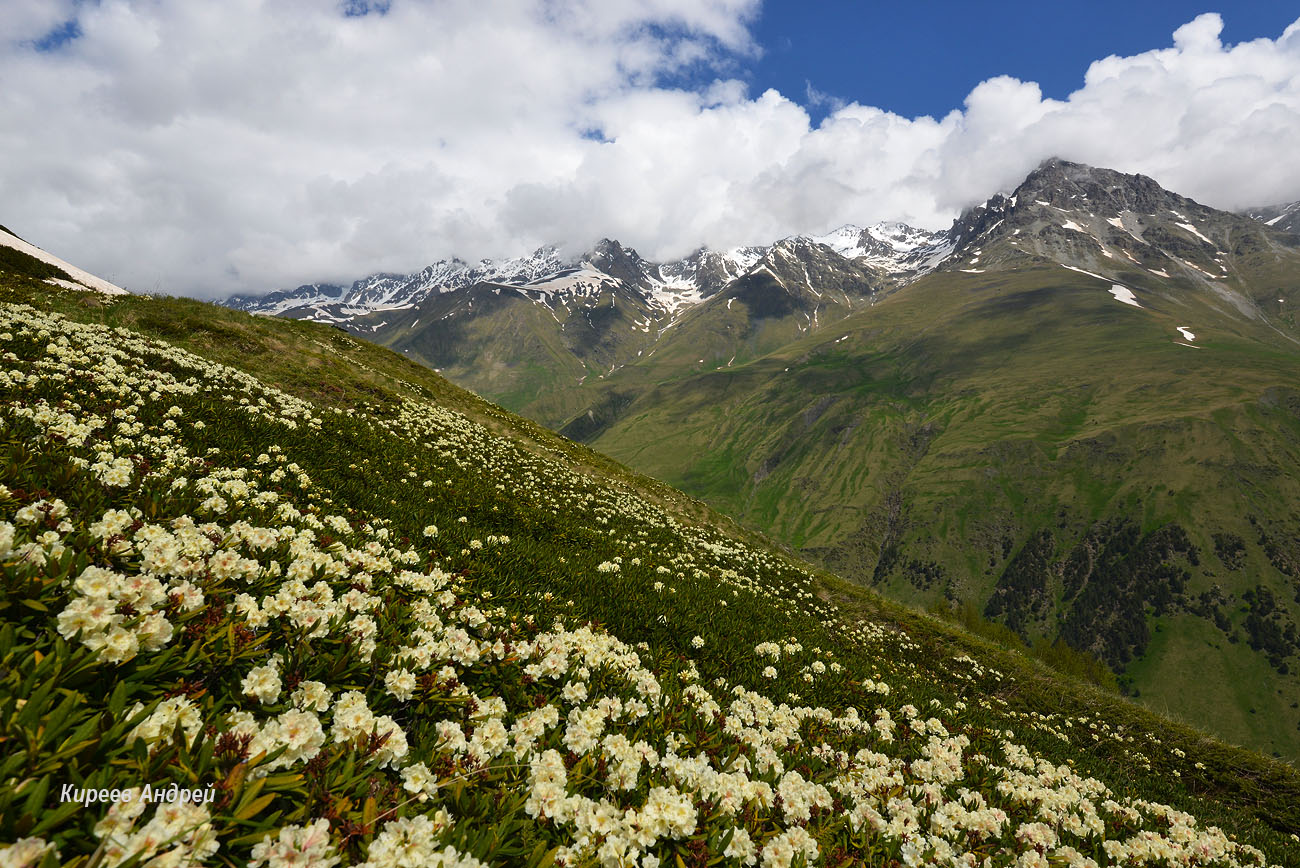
[{"x": 384, "y": 635}]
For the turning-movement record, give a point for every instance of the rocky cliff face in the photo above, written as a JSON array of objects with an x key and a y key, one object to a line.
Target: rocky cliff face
[{"x": 1108, "y": 222}]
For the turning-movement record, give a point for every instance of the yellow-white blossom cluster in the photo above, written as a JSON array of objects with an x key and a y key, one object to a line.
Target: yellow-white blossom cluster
[{"x": 178, "y": 833}]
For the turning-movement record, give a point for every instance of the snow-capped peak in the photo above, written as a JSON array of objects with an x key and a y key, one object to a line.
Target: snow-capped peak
[
  {"x": 846, "y": 241},
  {"x": 670, "y": 286},
  {"x": 891, "y": 246}
]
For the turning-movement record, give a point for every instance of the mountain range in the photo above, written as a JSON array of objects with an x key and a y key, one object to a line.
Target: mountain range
[
  {"x": 529, "y": 331},
  {"x": 1073, "y": 412},
  {"x": 525, "y": 330},
  {"x": 869, "y": 260},
  {"x": 886, "y": 249}
]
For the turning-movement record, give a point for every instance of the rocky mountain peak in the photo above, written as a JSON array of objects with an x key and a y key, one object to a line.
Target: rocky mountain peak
[
  {"x": 1101, "y": 221},
  {"x": 619, "y": 262},
  {"x": 1067, "y": 188},
  {"x": 1063, "y": 184}
]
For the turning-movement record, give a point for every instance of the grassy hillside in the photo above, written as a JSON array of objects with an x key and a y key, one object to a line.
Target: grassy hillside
[
  {"x": 1024, "y": 442},
  {"x": 526, "y": 351},
  {"x": 369, "y": 618}
]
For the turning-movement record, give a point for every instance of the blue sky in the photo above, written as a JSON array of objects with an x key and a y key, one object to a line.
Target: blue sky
[
  {"x": 922, "y": 58},
  {"x": 213, "y": 148}
]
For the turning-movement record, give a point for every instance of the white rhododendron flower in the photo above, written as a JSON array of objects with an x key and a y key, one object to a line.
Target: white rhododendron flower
[
  {"x": 305, "y": 846},
  {"x": 262, "y": 683}
]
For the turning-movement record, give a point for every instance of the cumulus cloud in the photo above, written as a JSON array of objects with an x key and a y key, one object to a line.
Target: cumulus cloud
[{"x": 255, "y": 144}]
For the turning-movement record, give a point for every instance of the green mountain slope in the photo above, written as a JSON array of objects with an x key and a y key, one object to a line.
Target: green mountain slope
[
  {"x": 380, "y": 621},
  {"x": 503, "y": 343},
  {"x": 1024, "y": 441}
]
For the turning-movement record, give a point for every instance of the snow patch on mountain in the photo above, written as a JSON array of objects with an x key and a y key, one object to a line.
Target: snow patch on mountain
[
  {"x": 1125, "y": 295},
  {"x": 1081, "y": 271},
  {"x": 675, "y": 297},
  {"x": 675, "y": 286},
  {"x": 846, "y": 241},
  {"x": 1192, "y": 229},
  {"x": 584, "y": 280}
]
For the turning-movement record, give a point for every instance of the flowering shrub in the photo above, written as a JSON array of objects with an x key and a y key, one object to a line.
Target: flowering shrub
[{"x": 210, "y": 582}]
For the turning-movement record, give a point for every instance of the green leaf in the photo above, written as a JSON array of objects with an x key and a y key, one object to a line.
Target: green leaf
[
  {"x": 87, "y": 728},
  {"x": 117, "y": 702},
  {"x": 11, "y": 764},
  {"x": 248, "y": 795},
  {"x": 250, "y": 838},
  {"x": 541, "y": 857},
  {"x": 34, "y": 710},
  {"x": 70, "y": 749},
  {"x": 55, "y": 818},
  {"x": 282, "y": 780},
  {"x": 254, "y": 807},
  {"x": 57, "y": 720},
  {"x": 36, "y": 796}
]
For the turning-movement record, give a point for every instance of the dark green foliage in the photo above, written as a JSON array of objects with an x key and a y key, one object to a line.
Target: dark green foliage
[
  {"x": 16, "y": 262},
  {"x": 923, "y": 575},
  {"x": 1057, "y": 654},
  {"x": 1270, "y": 628},
  {"x": 1230, "y": 550},
  {"x": 591, "y": 335},
  {"x": 1283, "y": 552},
  {"x": 764, "y": 297},
  {"x": 1022, "y": 591},
  {"x": 597, "y": 417},
  {"x": 969, "y": 617},
  {"x": 892, "y": 518},
  {"x": 1076, "y": 664},
  {"x": 1211, "y": 605},
  {"x": 1112, "y": 578}
]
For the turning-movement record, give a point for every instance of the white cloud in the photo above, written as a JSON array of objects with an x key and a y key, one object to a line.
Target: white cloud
[{"x": 254, "y": 144}]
